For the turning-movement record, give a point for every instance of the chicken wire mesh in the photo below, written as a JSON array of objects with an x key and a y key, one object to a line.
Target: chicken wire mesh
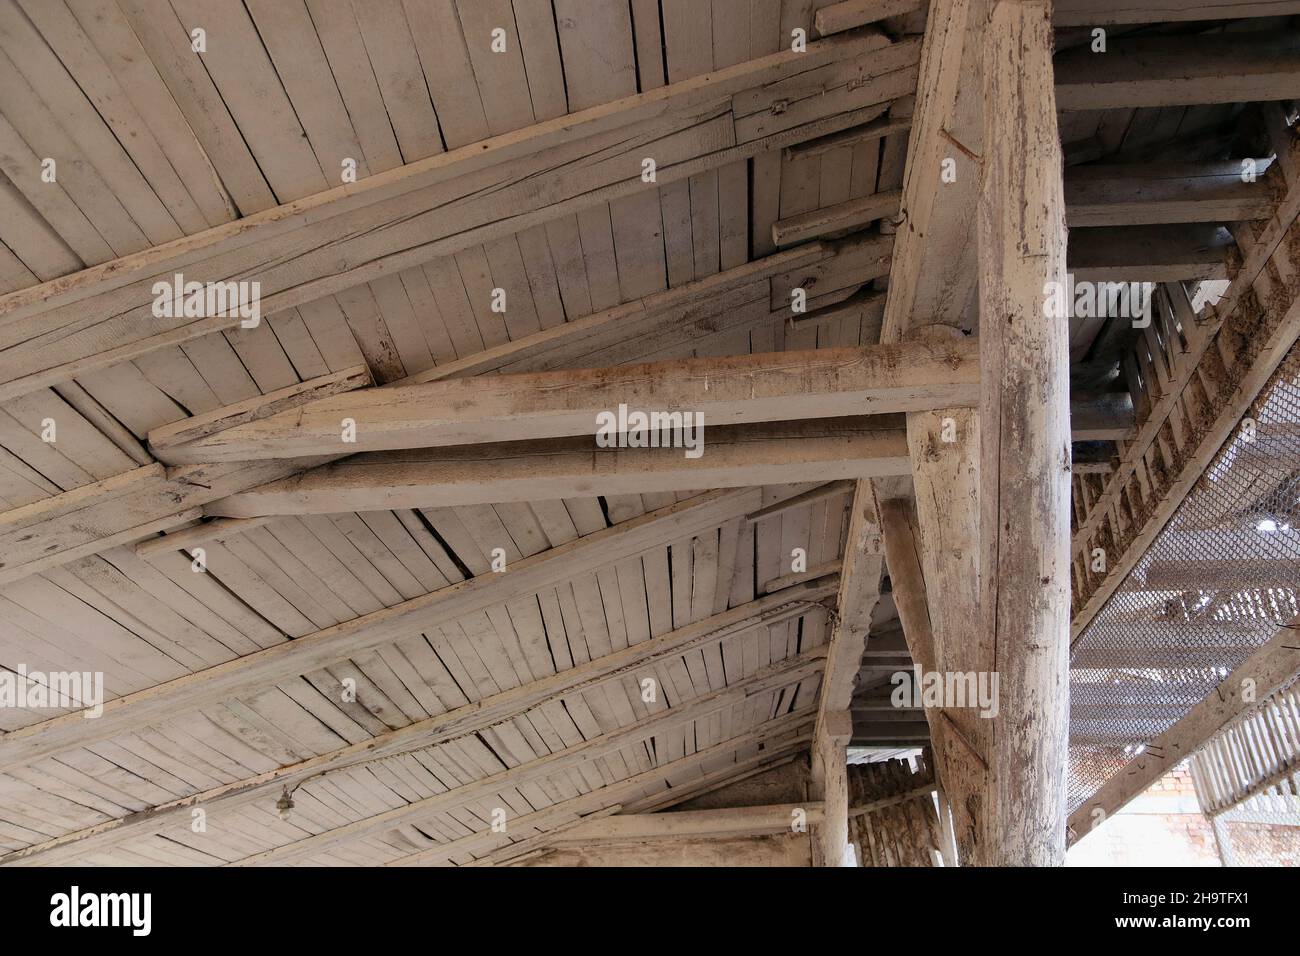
[{"x": 1216, "y": 584}]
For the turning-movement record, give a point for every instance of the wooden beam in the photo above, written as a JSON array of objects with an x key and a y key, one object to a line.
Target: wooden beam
[
  {"x": 785, "y": 850},
  {"x": 1024, "y": 434},
  {"x": 772, "y": 387},
  {"x": 457, "y": 722},
  {"x": 1094, "y": 13},
  {"x": 867, "y": 132},
  {"x": 934, "y": 280},
  {"x": 737, "y": 456},
  {"x": 832, "y": 489},
  {"x": 1162, "y": 253},
  {"x": 313, "y": 651},
  {"x": 1267, "y": 669},
  {"x": 775, "y": 755},
  {"x": 321, "y": 244},
  {"x": 831, "y": 783},
  {"x": 1139, "y": 194},
  {"x": 87, "y": 520},
  {"x": 840, "y": 217},
  {"x": 693, "y": 824},
  {"x": 849, "y": 14},
  {"x": 666, "y": 317},
  {"x": 901, "y": 734},
  {"x": 1129, "y": 195},
  {"x": 558, "y": 819},
  {"x": 1107, "y": 417},
  {"x": 960, "y": 738},
  {"x": 858, "y": 594},
  {"x": 1157, "y": 71},
  {"x": 121, "y": 510},
  {"x": 259, "y": 407},
  {"x": 933, "y": 274},
  {"x": 766, "y": 679},
  {"x": 218, "y": 530}
]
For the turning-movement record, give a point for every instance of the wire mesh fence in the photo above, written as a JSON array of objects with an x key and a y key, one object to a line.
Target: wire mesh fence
[{"x": 1215, "y": 585}]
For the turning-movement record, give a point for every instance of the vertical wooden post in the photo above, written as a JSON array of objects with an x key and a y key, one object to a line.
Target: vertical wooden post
[
  {"x": 959, "y": 737},
  {"x": 830, "y": 771},
  {"x": 932, "y": 280},
  {"x": 1025, "y": 437}
]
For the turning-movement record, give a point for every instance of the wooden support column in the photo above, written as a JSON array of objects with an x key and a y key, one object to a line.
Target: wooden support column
[
  {"x": 830, "y": 778},
  {"x": 958, "y": 736},
  {"x": 933, "y": 280},
  {"x": 1025, "y": 437}
]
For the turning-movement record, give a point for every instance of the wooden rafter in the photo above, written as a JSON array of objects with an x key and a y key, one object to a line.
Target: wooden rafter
[
  {"x": 316, "y": 650},
  {"x": 312, "y": 247},
  {"x": 467, "y": 719}
]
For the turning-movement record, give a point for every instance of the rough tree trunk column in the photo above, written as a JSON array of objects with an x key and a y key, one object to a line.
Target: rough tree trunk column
[
  {"x": 831, "y": 783},
  {"x": 945, "y": 448},
  {"x": 1025, "y": 455}
]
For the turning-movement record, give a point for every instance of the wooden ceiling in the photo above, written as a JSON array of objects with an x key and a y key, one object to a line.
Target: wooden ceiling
[{"x": 459, "y": 612}]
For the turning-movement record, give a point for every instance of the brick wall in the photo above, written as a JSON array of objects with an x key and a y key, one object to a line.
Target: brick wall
[{"x": 1162, "y": 827}]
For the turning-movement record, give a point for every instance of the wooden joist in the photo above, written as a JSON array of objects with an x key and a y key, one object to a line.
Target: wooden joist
[
  {"x": 316, "y": 650},
  {"x": 677, "y": 314},
  {"x": 1160, "y": 253},
  {"x": 771, "y": 387},
  {"x": 1128, "y": 195},
  {"x": 933, "y": 276},
  {"x": 1140, "y": 194},
  {"x": 327, "y": 242},
  {"x": 766, "y": 679},
  {"x": 779, "y": 739},
  {"x": 693, "y": 824},
  {"x": 96, "y": 517},
  {"x": 849, "y": 14},
  {"x": 737, "y": 456},
  {"x": 262, "y": 406},
  {"x": 1107, "y": 417},
  {"x": 1154, "y": 71},
  {"x": 87, "y": 521},
  {"x": 841, "y": 217}
]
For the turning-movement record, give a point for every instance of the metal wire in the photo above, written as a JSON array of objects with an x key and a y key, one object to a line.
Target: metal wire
[{"x": 1216, "y": 584}]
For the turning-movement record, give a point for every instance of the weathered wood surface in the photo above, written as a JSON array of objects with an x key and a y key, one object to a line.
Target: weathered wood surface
[{"x": 1025, "y": 440}]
